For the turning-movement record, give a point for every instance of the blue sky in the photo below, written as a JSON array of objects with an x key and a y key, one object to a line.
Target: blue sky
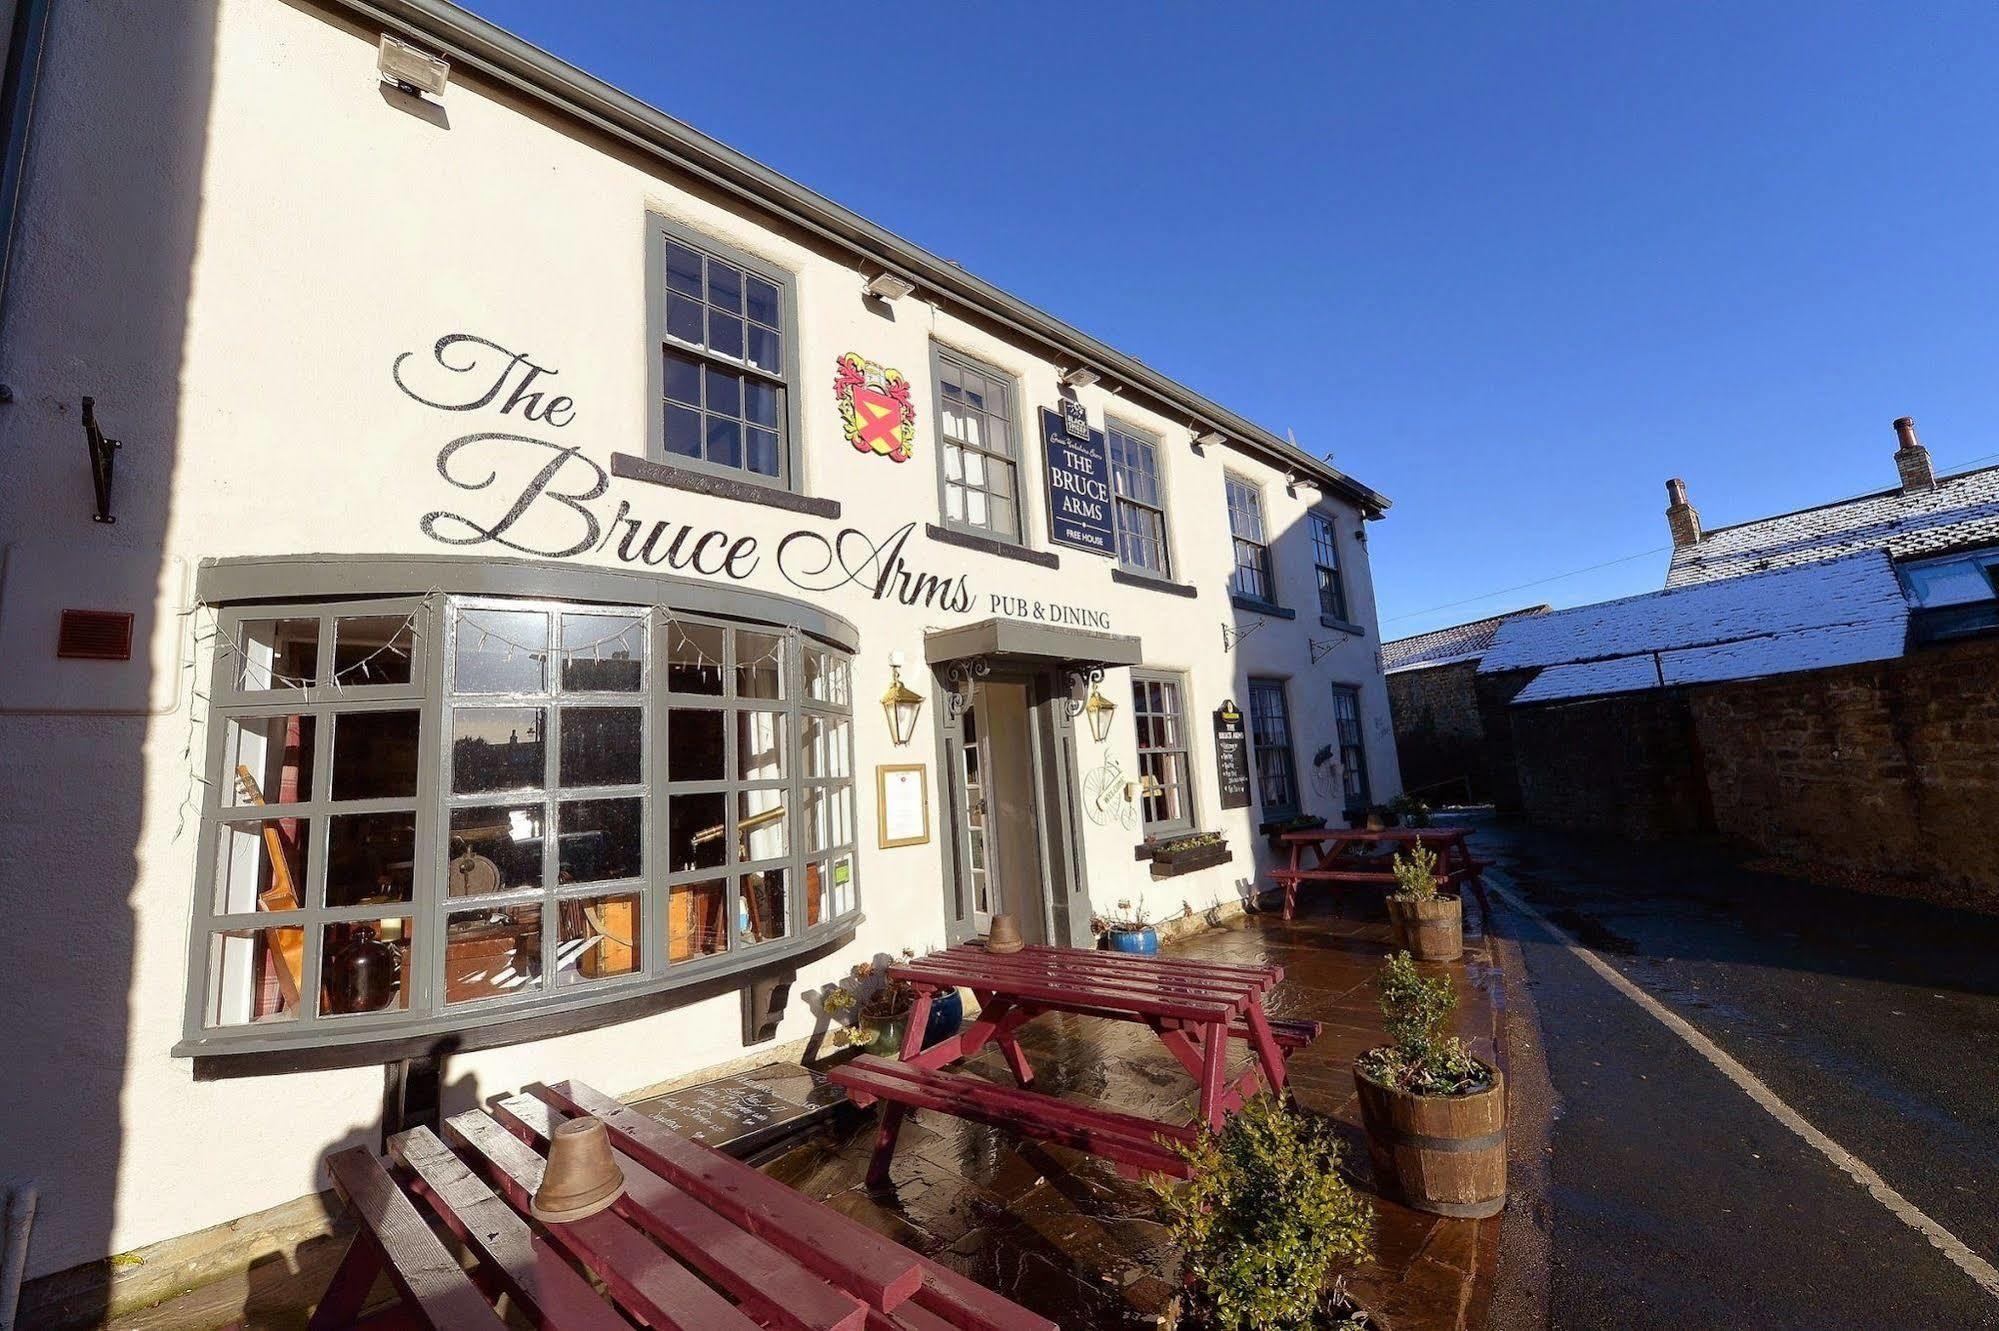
[{"x": 1513, "y": 266}]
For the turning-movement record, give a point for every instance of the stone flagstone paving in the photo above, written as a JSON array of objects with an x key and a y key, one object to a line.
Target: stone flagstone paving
[{"x": 1060, "y": 1232}]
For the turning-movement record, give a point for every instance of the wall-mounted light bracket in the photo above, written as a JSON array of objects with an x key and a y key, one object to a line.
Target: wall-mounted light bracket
[
  {"x": 1320, "y": 650},
  {"x": 1079, "y": 377},
  {"x": 1231, "y": 636},
  {"x": 414, "y": 71},
  {"x": 103, "y": 456},
  {"x": 888, "y": 286}
]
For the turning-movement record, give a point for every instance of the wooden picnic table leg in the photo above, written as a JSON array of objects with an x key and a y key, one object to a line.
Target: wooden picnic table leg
[
  {"x": 1267, "y": 1051},
  {"x": 1016, "y": 1061},
  {"x": 885, "y": 1135},
  {"x": 1214, "y": 1050},
  {"x": 340, "y": 1306},
  {"x": 919, "y": 1021},
  {"x": 1291, "y": 879}
]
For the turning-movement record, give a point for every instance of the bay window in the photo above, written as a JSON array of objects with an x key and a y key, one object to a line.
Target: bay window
[{"x": 429, "y": 812}]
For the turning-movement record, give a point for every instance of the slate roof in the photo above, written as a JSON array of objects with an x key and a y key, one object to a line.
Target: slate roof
[
  {"x": 1839, "y": 611},
  {"x": 1962, "y": 511},
  {"x": 1460, "y": 642}
]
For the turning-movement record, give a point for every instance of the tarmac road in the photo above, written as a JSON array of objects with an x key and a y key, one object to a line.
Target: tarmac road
[{"x": 1650, "y": 1190}]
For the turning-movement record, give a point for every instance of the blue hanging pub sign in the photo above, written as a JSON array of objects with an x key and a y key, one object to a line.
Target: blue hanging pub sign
[{"x": 1079, "y": 486}]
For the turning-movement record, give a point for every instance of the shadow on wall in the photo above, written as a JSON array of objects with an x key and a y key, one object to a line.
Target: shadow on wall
[{"x": 97, "y": 304}]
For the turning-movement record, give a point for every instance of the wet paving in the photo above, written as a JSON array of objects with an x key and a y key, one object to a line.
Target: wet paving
[
  {"x": 1665, "y": 1196},
  {"x": 1061, "y": 1233}
]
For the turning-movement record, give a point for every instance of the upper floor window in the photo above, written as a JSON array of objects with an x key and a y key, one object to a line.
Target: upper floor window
[
  {"x": 1270, "y": 739},
  {"x": 1326, "y": 557},
  {"x": 724, "y": 328},
  {"x": 1252, "y": 578},
  {"x": 977, "y": 451},
  {"x": 1160, "y": 711},
  {"x": 593, "y": 799},
  {"x": 1141, "y": 505}
]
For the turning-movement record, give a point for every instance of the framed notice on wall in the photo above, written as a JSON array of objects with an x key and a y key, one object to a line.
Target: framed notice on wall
[{"x": 902, "y": 805}]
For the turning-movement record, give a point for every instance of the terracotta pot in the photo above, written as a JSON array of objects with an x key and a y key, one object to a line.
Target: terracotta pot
[
  {"x": 1445, "y": 1154},
  {"x": 1428, "y": 930}
]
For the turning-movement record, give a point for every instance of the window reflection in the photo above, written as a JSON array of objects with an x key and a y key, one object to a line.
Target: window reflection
[
  {"x": 370, "y": 858},
  {"x": 491, "y": 953},
  {"x": 602, "y": 653},
  {"x": 694, "y": 658},
  {"x": 497, "y": 748},
  {"x": 600, "y": 938},
  {"x": 500, "y": 651},
  {"x": 600, "y": 839},
  {"x": 600, "y": 746},
  {"x": 277, "y": 654},
  {"x": 373, "y": 649},
  {"x": 375, "y": 755}
]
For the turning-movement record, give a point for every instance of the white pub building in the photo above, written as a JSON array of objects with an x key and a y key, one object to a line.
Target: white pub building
[{"x": 499, "y": 584}]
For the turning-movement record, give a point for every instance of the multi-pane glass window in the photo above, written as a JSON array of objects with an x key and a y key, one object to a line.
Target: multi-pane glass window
[
  {"x": 545, "y": 797},
  {"x": 722, "y": 364},
  {"x": 1353, "y": 753},
  {"x": 589, "y": 798},
  {"x": 1270, "y": 738},
  {"x": 1141, "y": 507},
  {"x": 981, "y": 490},
  {"x": 1159, "y": 708},
  {"x": 1326, "y": 556},
  {"x": 1251, "y": 578}
]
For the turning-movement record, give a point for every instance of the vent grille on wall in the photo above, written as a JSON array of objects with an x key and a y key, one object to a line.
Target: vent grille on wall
[{"x": 95, "y": 635}]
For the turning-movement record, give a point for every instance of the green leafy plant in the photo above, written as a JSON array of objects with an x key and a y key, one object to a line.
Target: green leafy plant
[
  {"x": 1424, "y": 1058},
  {"x": 866, "y": 993},
  {"x": 1412, "y": 811},
  {"x": 1263, "y": 1219},
  {"x": 1416, "y": 874}
]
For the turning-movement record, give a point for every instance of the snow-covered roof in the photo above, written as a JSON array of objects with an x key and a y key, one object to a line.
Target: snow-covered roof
[
  {"x": 1962, "y": 510},
  {"x": 1460, "y": 642},
  {"x": 1835, "y": 612}
]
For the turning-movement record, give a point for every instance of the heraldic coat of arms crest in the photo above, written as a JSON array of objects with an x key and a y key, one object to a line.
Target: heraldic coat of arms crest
[{"x": 875, "y": 409}]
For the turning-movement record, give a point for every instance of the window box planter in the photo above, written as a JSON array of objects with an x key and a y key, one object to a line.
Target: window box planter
[{"x": 1174, "y": 857}]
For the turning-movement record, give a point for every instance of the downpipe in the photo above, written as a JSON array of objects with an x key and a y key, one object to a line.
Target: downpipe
[{"x": 14, "y": 1255}]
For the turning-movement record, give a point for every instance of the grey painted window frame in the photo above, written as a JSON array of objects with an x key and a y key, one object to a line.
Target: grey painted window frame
[
  {"x": 1265, "y": 566},
  {"x": 1023, "y": 537},
  {"x": 1289, "y": 749},
  {"x": 791, "y": 459},
  {"x": 1358, "y": 748},
  {"x": 429, "y": 904},
  {"x": 1326, "y": 525},
  {"x": 1119, "y": 500},
  {"x": 1189, "y": 801}
]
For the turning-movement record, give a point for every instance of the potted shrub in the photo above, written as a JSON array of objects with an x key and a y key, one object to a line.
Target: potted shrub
[
  {"x": 1127, "y": 931},
  {"x": 1412, "y": 811},
  {"x": 1427, "y": 924},
  {"x": 1435, "y": 1115},
  {"x": 1263, "y": 1221},
  {"x": 879, "y": 1007}
]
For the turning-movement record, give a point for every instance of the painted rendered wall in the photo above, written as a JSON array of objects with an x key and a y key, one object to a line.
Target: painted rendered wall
[{"x": 232, "y": 231}]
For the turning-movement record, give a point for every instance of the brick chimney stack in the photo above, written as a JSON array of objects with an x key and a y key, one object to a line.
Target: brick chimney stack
[
  {"x": 1681, "y": 518},
  {"x": 1912, "y": 459}
]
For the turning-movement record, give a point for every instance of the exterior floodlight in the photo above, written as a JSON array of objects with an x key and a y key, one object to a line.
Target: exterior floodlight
[
  {"x": 900, "y": 704},
  {"x": 888, "y": 286},
  {"x": 410, "y": 69},
  {"x": 1079, "y": 377},
  {"x": 1209, "y": 439},
  {"x": 1099, "y": 710}
]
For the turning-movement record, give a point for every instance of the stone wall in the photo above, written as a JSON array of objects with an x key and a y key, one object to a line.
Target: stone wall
[
  {"x": 1890, "y": 768},
  {"x": 1439, "y": 735}
]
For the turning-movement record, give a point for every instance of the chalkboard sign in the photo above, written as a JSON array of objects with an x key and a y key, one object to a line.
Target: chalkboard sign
[
  {"x": 1231, "y": 756},
  {"x": 742, "y": 1113},
  {"x": 1079, "y": 487}
]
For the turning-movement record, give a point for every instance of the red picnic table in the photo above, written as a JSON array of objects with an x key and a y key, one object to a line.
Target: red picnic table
[
  {"x": 699, "y": 1242},
  {"x": 1195, "y": 1007},
  {"x": 1354, "y": 855}
]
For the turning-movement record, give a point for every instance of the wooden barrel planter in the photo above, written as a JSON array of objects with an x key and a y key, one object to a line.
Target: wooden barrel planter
[
  {"x": 1445, "y": 1154},
  {"x": 1428, "y": 930}
]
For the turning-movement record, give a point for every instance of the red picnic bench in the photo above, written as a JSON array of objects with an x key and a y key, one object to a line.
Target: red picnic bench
[
  {"x": 699, "y": 1242},
  {"x": 1360, "y": 855},
  {"x": 1195, "y": 1007}
]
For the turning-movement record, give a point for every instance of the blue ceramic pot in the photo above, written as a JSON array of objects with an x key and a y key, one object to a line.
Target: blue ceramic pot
[
  {"x": 947, "y": 1014},
  {"x": 1143, "y": 941}
]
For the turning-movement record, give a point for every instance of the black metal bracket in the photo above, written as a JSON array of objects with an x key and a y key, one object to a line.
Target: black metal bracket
[
  {"x": 1080, "y": 677},
  {"x": 103, "y": 454},
  {"x": 1232, "y": 636},
  {"x": 1320, "y": 649}
]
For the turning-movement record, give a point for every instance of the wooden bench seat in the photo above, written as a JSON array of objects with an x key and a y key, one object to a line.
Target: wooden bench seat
[
  {"x": 1137, "y": 1145},
  {"x": 1291, "y": 1034}
]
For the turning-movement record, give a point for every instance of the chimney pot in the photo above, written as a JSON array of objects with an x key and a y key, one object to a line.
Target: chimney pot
[
  {"x": 1681, "y": 517},
  {"x": 1912, "y": 460}
]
